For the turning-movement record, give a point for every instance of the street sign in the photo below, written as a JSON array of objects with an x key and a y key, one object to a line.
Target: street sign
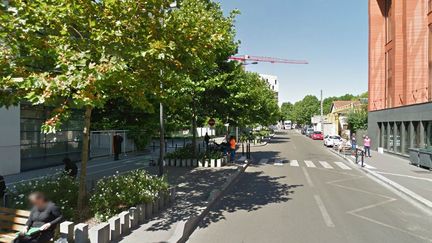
[{"x": 212, "y": 122}]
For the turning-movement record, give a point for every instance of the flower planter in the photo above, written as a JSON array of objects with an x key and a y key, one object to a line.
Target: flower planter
[{"x": 119, "y": 225}]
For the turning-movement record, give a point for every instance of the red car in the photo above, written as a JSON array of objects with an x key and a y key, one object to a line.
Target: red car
[{"x": 317, "y": 135}]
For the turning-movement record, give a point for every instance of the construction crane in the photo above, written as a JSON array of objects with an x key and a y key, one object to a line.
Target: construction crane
[{"x": 246, "y": 60}]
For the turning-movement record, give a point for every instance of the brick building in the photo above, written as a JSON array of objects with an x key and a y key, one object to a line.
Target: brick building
[{"x": 400, "y": 74}]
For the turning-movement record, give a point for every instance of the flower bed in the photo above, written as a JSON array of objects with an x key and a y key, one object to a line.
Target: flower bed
[
  {"x": 183, "y": 157},
  {"x": 59, "y": 188},
  {"x": 111, "y": 196},
  {"x": 114, "y": 194}
]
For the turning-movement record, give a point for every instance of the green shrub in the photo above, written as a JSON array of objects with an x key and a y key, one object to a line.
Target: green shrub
[
  {"x": 181, "y": 153},
  {"x": 115, "y": 194},
  {"x": 59, "y": 188}
]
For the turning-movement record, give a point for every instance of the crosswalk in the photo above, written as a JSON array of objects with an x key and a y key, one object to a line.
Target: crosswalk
[{"x": 307, "y": 163}]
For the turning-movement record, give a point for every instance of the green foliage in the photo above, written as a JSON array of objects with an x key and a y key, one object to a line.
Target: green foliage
[
  {"x": 358, "y": 120},
  {"x": 60, "y": 189},
  {"x": 287, "y": 110},
  {"x": 187, "y": 153},
  {"x": 182, "y": 153},
  {"x": 305, "y": 109},
  {"x": 117, "y": 193}
]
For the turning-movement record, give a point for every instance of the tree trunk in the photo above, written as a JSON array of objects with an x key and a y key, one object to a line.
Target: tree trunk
[{"x": 84, "y": 159}]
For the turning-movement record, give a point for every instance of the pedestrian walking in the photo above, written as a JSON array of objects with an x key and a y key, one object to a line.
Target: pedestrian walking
[
  {"x": 44, "y": 218},
  {"x": 353, "y": 142},
  {"x": 117, "y": 144},
  {"x": 2, "y": 190},
  {"x": 367, "y": 145},
  {"x": 232, "y": 144},
  {"x": 207, "y": 139},
  {"x": 70, "y": 168}
]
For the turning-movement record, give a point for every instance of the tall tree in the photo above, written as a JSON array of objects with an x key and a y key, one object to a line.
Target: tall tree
[{"x": 287, "y": 110}]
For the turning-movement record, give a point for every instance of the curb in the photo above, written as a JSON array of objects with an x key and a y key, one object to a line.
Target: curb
[
  {"x": 408, "y": 194},
  {"x": 192, "y": 223}
]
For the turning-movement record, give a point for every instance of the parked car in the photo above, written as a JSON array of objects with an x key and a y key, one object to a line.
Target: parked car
[
  {"x": 330, "y": 141},
  {"x": 317, "y": 135},
  {"x": 309, "y": 132}
]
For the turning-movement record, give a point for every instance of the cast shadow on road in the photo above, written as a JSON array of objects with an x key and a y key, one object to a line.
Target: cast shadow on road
[
  {"x": 276, "y": 140},
  {"x": 252, "y": 192},
  {"x": 194, "y": 189}
]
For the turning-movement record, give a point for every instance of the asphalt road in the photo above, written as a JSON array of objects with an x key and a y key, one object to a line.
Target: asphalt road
[{"x": 298, "y": 191}]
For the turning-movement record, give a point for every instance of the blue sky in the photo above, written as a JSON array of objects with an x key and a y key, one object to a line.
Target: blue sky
[{"x": 330, "y": 34}]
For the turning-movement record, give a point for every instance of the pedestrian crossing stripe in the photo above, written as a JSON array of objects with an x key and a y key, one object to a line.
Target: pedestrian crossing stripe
[
  {"x": 342, "y": 165},
  {"x": 326, "y": 165},
  {"x": 263, "y": 161},
  {"x": 309, "y": 163},
  {"x": 294, "y": 163}
]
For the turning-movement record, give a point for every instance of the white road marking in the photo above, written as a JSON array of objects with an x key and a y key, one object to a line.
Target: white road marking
[
  {"x": 407, "y": 176},
  {"x": 294, "y": 163},
  {"x": 328, "y": 221},
  {"x": 369, "y": 167},
  {"x": 309, "y": 163},
  {"x": 307, "y": 176},
  {"x": 326, "y": 165},
  {"x": 342, "y": 165},
  {"x": 263, "y": 161}
]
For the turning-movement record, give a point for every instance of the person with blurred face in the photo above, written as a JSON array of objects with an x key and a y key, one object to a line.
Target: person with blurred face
[{"x": 44, "y": 217}]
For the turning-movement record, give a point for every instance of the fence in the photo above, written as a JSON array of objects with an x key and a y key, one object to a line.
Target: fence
[{"x": 101, "y": 143}]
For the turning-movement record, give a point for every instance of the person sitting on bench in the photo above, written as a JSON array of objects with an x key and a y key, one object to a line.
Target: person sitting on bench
[{"x": 44, "y": 218}]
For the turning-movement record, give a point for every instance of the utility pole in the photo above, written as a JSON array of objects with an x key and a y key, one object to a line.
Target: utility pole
[{"x": 322, "y": 113}]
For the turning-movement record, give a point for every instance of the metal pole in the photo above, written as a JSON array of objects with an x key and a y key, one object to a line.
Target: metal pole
[
  {"x": 322, "y": 112},
  {"x": 162, "y": 134}
]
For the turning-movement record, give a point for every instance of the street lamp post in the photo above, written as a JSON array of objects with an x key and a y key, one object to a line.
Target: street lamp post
[{"x": 161, "y": 161}]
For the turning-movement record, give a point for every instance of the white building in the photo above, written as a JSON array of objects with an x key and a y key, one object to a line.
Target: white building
[{"x": 273, "y": 83}]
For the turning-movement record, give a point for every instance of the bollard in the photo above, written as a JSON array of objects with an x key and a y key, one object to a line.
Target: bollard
[
  {"x": 148, "y": 210},
  {"x": 243, "y": 152},
  {"x": 81, "y": 233},
  {"x": 66, "y": 230},
  {"x": 141, "y": 210},
  {"x": 362, "y": 158},
  {"x": 133, "y": 217},
  {"x": 124, "y": 223},
  {"x": 114, "y": 223},
  {"x": 100, "y": 233}
]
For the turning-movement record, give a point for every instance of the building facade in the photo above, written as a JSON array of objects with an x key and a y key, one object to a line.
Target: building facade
[
  {"x": 400, "y": 74},
  {"x": 24, "y": 147},
  {"x": 273, "y": 83}
]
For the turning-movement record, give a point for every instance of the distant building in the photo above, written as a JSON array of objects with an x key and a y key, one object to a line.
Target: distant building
[
  {"x": 273, "y": 83},
  {"x": 400, "y": 74},
  {"x": 24, "y": 147},
  {"x": 338, "y": 115}
]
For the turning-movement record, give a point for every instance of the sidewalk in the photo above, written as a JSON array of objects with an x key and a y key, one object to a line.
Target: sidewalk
[
  {"x": 194, "y": 186},
  {"x": 96, "y": 169},
  {"x": 402, "y": 173}
]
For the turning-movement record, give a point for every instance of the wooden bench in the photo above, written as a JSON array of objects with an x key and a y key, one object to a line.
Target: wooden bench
[{"x": 11, "y": 222}]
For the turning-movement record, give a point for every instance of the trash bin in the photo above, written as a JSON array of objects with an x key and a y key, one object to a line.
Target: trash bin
[
  {"x": 414, "y": 156},
  {"x": 425, "y": 158}
]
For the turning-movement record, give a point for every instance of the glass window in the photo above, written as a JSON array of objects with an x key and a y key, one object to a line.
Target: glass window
[
  {"x": 391, "y": 137},
  {"x": 406, "y": 137},
  {"x": 389, "y": 20},
  {"x": 385, "y": 136},
  {"x": 398, "y": 137},
  {"x": 429, "y": 133},
  {"x": 416, "y": 134}
]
